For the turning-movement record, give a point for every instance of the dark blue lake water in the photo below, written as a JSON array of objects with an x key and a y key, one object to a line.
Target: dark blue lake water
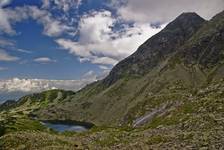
[{"x": 65, "y": 127}]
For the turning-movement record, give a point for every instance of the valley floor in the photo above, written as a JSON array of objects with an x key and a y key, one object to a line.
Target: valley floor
[{"x": 197, "y": 122}]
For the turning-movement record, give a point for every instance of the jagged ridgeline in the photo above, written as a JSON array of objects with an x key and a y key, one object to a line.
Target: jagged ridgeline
[
  {"x": 183, "y": 59},
  {"x": 172, "y": 88}
]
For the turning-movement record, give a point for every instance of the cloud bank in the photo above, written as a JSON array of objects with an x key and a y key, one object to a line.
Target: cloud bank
[
  {"x": 16, "y": 87},
  {"x": 37, "y": 85},
  {"x": 165, "y": 10}
]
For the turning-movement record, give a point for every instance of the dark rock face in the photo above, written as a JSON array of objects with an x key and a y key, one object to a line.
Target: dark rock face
[
  {"x": 206, "y": 48},
  {"x": 157, "y": 48}
]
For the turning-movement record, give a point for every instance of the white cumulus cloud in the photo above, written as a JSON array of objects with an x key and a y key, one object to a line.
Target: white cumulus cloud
[
  {"x": 52, "y": 25},
  {"x": 5, "y": 2},
  {"x": 165, "y": 10},
  {"x": 44, "y": 60},
  {"x": 10, "y": 16},
  {"x": 99, "y": 44},
  {"x": 4, "y": 56}
]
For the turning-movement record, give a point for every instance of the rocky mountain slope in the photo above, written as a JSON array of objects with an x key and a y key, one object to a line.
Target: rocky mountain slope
[
  {"x": 170, "y": 67},
  {"x": 157, "y": 48},
  {"x": 168, "y": 94}
]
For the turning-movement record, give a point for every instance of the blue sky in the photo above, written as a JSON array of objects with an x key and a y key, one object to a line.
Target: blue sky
[
  {"x": 29, "y": 37},
  {"x": 78, "y": 40},
  {"x": 64, "y": 39}
]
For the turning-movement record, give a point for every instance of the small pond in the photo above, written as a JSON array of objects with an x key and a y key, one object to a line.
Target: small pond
[{"x": 71, "y": 126}]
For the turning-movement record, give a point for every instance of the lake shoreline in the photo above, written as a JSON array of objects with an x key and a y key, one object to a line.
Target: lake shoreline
[{"x": 67, "y": 125}]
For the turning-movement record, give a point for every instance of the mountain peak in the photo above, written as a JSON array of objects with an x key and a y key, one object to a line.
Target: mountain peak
[
  {"x": 157, "y": 48},
  {"x": 187, "y": 21},
  {"x": 188, "y": 15}
]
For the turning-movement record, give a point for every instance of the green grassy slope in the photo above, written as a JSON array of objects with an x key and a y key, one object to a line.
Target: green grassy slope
[
  {"x": 19, "y": 116},
  {"x": 195, "y": 122}
]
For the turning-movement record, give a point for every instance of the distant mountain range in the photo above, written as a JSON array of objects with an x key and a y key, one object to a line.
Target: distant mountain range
[{"x": 16, "y": 88}]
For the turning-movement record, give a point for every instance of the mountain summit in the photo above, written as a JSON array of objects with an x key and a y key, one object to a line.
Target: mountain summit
[
  {"x": 206, "y": 46},
  {"x": 157, "y": 48}
]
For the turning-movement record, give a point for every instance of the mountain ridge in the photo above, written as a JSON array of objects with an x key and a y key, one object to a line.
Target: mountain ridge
[{"x": 154, "y": 46}]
